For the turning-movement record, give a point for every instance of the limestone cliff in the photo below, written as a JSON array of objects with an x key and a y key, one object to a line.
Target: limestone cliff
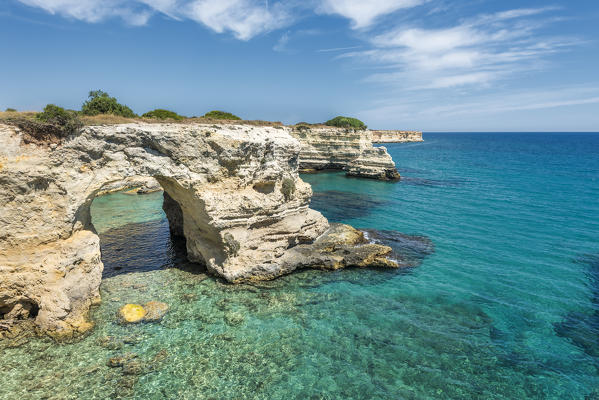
[
  {"x": 379, "y": 136},
  {"x": 233, "y": 191},
  {"x": 343, "y": 149}
]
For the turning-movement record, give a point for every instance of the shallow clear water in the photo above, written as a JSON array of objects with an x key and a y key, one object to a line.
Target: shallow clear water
[{"x": 506, "y": 307}]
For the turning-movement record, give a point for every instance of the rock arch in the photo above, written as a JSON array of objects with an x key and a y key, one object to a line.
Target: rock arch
[{"x": 244, "y": 210}]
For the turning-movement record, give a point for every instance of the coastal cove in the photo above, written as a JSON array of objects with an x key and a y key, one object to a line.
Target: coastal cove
[{"x": 501, "y": 302}]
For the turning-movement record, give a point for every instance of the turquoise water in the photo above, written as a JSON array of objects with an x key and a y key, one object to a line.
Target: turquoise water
[{"x": 503, "y": 305}]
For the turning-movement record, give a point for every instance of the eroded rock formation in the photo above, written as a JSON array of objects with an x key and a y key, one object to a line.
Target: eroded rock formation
[
  {"x": 343, "y": 149},
  {"x": 236, "y": 197},
  {"x": 379, "y": 136}
]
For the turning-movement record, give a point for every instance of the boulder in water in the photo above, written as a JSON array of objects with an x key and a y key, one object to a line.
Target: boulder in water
[
  {"x": 131, "y": 313},
  {"x": 155, "y": 311}
]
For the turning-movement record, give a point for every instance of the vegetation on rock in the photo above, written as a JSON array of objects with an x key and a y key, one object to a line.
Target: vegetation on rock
[
  {"x": 160, "y": 113},
  {"x": 221, "y": 115},
  {"x": 11, "y": 110},
  {"x": 346, "y": 122},
  {"x": 48, "y": 126},
  {"x": 100, "y": 102}
]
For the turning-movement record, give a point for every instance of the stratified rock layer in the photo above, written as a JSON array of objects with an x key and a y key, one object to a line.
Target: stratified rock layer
[
  {"x": 379, "y": 136},
  {"x": 343, "y": 149},
  {"x": 232, "y": 190}
]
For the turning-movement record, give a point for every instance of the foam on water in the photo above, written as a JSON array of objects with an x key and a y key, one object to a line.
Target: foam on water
[{"x": 503, "y": 229}]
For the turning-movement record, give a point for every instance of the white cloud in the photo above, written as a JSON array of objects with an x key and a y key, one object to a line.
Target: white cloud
[
  {"x": 364, "y": 13},
  {"x": 243, "y": 18},
  {"x": 429, "y": 111},
  {"x": 93, "y": 10},
  {"x": 474, "y": 52},
  {"x": 281, "y": 44}
]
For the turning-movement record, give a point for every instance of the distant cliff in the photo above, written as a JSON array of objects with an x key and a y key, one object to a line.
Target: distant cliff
[
  {"x": 346, "y": 149},
  {"x": 396, "y": 136}
]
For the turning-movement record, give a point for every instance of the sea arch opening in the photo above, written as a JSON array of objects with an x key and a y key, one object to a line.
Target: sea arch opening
[{"x": 141, "y": 226}]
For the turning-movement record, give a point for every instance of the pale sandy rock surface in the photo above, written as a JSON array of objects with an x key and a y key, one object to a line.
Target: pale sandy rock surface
[
  {"x": 391, "y": 136},
  {"x": 343, "y": 149},
  {"x": 241, "y": 206}
]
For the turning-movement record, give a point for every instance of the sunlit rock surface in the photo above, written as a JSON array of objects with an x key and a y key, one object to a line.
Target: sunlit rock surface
[
  {"x": 241, "y": 204},
  {"x": 393, "y": 136},
  {"x": 343, "y": 149}
]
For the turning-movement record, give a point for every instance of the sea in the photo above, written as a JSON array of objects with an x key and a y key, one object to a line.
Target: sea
[{"x": 498, "y": 234}]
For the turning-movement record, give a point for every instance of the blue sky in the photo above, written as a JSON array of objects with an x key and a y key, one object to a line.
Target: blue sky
[{"x": 433, "y": 65}]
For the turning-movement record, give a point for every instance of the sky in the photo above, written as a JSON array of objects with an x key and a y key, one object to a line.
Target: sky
[{"x": 431, "y": 65}]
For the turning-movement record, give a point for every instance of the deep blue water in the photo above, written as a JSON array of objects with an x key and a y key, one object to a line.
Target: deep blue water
[{"x": 502, "y": 301}]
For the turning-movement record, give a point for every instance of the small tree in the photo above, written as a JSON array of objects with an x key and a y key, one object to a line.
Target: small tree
[
  {"x": 221, "y": 115},
  {"x": 163, "y": 114},
  {"x": 100, "y": 102},
  {"x": 11, "y": 110},
  {"x": 346, "y": 122}
]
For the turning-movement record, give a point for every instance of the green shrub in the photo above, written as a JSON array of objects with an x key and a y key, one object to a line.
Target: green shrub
[
  {"x": 11, "y": 110},
  {"x": 49, "y": 126},
  {"x": 221, "y": 115},
  {"x": 100, "y": 102},
  {"x": 163, "y": 114},
  {"x": 346, "y": 122},
  {"x": 67, "y": 120}
]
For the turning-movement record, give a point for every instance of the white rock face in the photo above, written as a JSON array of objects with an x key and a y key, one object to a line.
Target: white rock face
[
  {"x": 233, "y": 191},
  {"x": 380, "y": 136},
  {"x": 237, "y": 186},
  {"x": 343, "y": 149}
]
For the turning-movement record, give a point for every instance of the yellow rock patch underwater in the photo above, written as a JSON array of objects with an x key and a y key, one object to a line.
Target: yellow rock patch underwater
[{"x": 132, "y": 313}]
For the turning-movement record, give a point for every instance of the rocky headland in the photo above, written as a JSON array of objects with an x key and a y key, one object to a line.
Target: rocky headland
[
  {"x": 346, "y": 149},
  {"x": 390, "y": 136},
  {"x": 233, "y": 191}
]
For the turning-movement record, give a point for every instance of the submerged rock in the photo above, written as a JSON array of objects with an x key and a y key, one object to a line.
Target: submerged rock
[
  {"x": 234, "y": 318},
  {"x": 131, "y": 313},
  {"x": 155, "y": 311},
  {"x": 407, "y": 250},
  {"x": 152, "y": 311},
  {"x": 339, "y": 205},
  {"x": 110, "y": 342},
  {"x": 582, "y": 328},
  {"x": 133, "y": 367},
  {"x": 119, "y": 361}
]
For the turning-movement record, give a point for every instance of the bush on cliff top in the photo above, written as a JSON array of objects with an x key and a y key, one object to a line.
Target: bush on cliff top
[
  {"x": 163, "y": 114},
  {"x": 48, "y": 126},
  {"x": 11, "y": 110},
  {"x": 100, "y": 102},
  {"x": 221, "y": 115},
  {"x": 346, "y": 122}
]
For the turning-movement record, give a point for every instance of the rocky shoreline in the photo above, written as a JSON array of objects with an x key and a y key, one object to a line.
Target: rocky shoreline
[
  {"x": 239, "y": 202},
  {"x": 349, "y": 150}
]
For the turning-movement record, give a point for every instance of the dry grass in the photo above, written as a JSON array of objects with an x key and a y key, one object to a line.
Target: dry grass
[
  {"x": 110, "y": 119},
  {"x": 4, "y": 115}
]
